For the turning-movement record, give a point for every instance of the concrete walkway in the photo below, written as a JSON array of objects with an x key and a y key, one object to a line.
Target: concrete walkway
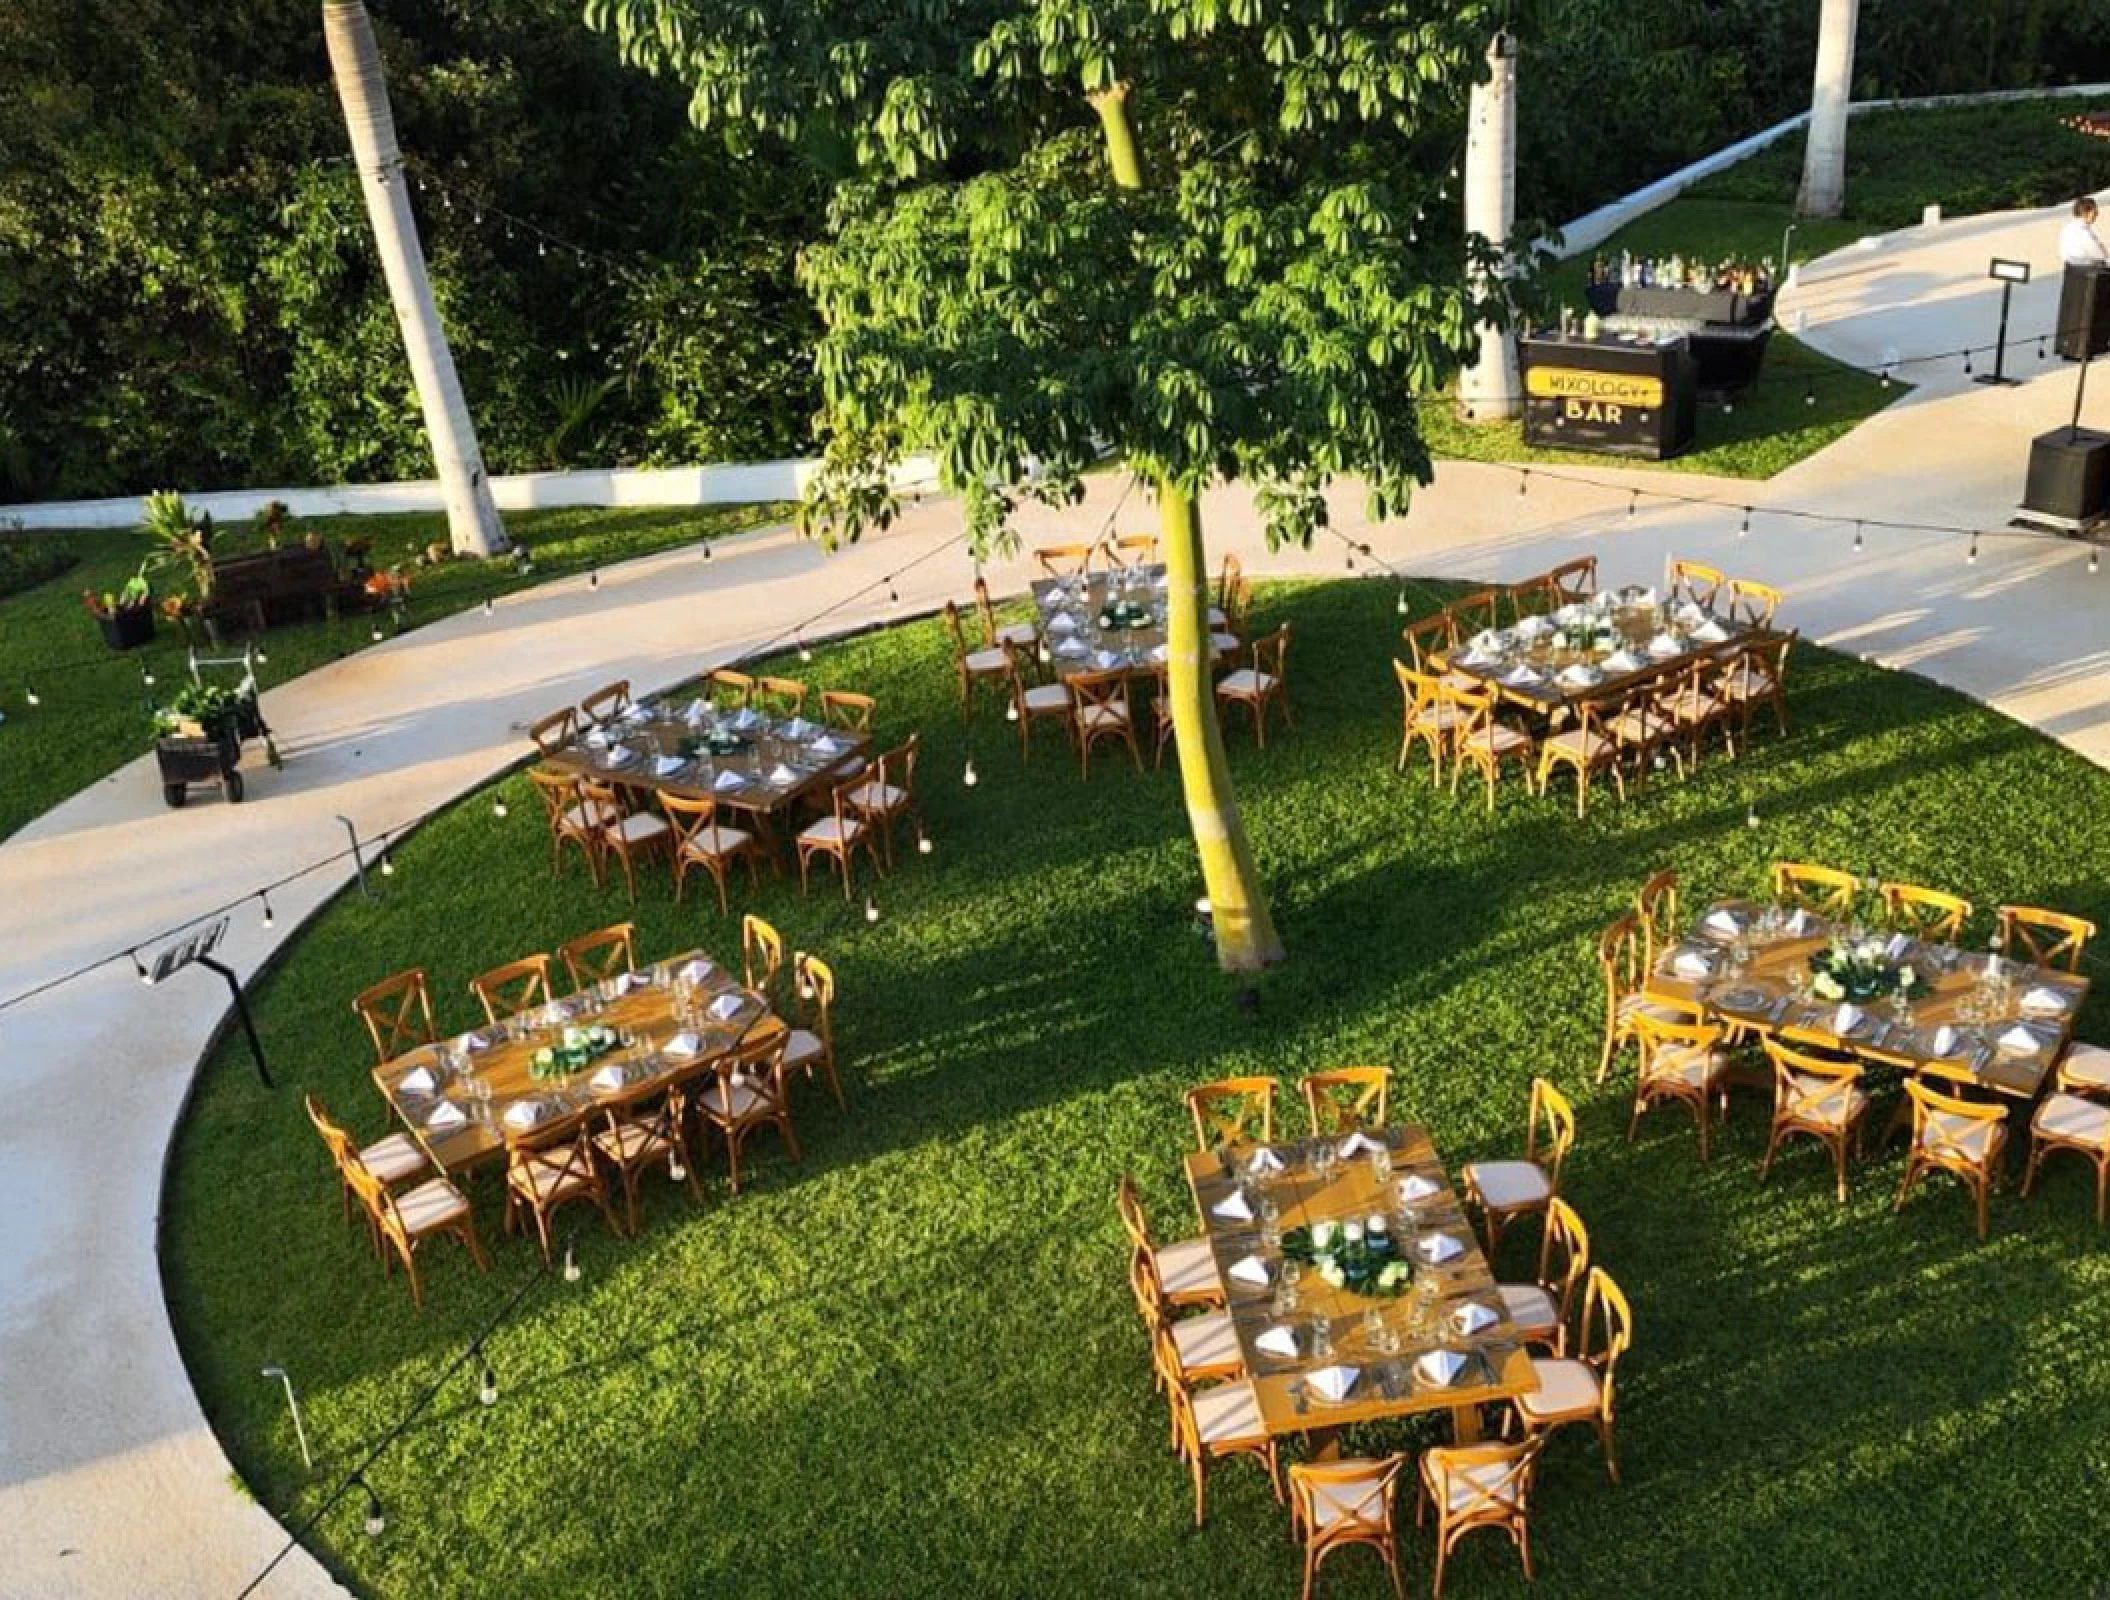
[{"x": 110, "y": 1482}]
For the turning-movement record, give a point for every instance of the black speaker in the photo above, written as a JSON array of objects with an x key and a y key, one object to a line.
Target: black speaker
[
  {"x": 2083, "y": 327},
  {"x": 2069, "y": 475}
]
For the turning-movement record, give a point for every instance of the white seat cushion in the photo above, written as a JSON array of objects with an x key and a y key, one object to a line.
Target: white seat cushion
[
  {"x": 1246, "y": 684},
  {"x": 1750, "y": 686},
  {"x": 1639, "y": 1004},
  {"x": 828, "y": 831},
  {"x": 2087, "y": 1066},
  {"x": 1093, "y": 717},
  {"x": 1508, "y": 1185},
  {"x": 578, "y": 820},
  {"x": 802, "y": 1048},
  {"x": 1499, "y": 740},
  {"x": 1207, "y": 1342},
  {"x": 1350, "y": 1500},
  {"x": 393, "y": 1159},
  {"x": 1690, "y": 708},
  {"x": 1469, "y": 1483},
  {"x": 1566, "y": 1389},
  {"x": 2074, "y": 1120},
  {"x": 1529, "y": 1308},
  {"x": 1696, "y": 1066},
  {"x": 877, "y": 796},
  {"x": 630, "y": 1142},
  {"x": 1217, "y": 619},
  {"x": 1228, "y": 1414},
  {"x": 743, "y": 1100},
  {"x": 1441, "y": 716},
  {"x": 1224, "y": 644},
  {"x": 431, "y": 1205},
  {"x": 1591, "y": 747},
  {"x": 549, "y": 1177},
  {"x": 715, "y": 841},
  {"x": 1828, "y": 1104},
  {"x": 1944, "y": 1130},
  {"x": 1021, "y": 633},
  {"x": 640, "y": 827},
  {"x": 1047, "y": 697},
  {"x": 1187, "y": 1268},
  {"x": 988, "y": 661}
]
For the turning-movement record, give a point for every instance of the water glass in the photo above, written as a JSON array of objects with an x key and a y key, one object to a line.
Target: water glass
[
  {"x": 1381, "y": 1164},
  {"x": 1321, "y": 1339}
]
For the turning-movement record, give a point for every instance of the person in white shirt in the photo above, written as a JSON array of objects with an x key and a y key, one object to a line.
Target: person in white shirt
[{"x": 2078, "y": 245}]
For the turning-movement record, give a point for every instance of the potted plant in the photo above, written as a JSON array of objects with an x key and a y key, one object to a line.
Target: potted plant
[
  {"x": 198, "y": 739},
  {"x": 126, "y": 615},
  {"x": 271, "y": 523},
  {"x": 184, "y": 540}
]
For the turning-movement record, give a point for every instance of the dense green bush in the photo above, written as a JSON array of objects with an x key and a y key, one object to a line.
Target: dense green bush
[{"x": 25, "y": 563}]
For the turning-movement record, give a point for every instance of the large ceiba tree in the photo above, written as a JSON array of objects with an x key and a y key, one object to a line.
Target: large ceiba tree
[{"x": 1202, "y": 236}]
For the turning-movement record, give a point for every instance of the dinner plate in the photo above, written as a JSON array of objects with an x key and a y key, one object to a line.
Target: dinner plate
[{"x": 1744, "y": 997}]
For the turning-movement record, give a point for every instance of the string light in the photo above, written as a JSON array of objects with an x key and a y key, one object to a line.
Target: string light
[
  {"x": 487, "y": 1379},
  {"x": 924, "y": 845},
  {"x": 31, "y": 696},
  {"x": 376, "y": 1523},
  {"x": 1633, "y": 500},
  {"x": 270, "y": 917},
  {"x": 1523, "y": 483},
  {"x": 593, "y": 578},
  {"x": 805, "y": 650},
  {"x": 146, "y": 675},
  {"x": 1750, "y": 814},
  {"x": 388, "y": 864},
  {"x": 1403, "y": 608},
  {"x": 1967, "y": 363},
  {"x": 2095, "y": 560},
  {"x": 970, "y": 777},
  {"x": 375, "y": 633},
  {"x": 1858, "y": 541},
  {"x": 571, "y": 1266},
  {"x": 1744, "y": 528},
  {"x": 706, "y": 549},
  {"x": 893, "y": 594},
  {"x": 499, "y": 808},
  {"x": 871, "y": 909},
  {"x": 488, "y": 607},
  {"x": 1809, "y": 393},
  {"x": 1971, "y": 560},
  {"x": 139, "y": 968}
]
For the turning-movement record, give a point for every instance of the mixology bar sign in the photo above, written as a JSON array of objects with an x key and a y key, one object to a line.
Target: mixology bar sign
[{"x": 1586, "y": 396}]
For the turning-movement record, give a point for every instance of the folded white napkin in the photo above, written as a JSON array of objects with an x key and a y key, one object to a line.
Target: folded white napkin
[
  {"x": 1580, "y": 676},
  {"x": 638, "y": 712},
  {"x": 1692, "y": 964},
  {"x": 1896, "y": 948},
  {"x": 1334, "y": 1382},
  {"x": 1688, "y": 614},
  {"x": 1846, "y": 1018},
  {"x": 1723, "y": 921},
  {"x": 418, "y": 1080},
  {"x": 1644, "y": 597},
  {"x": 1523, "y": 675},
  {"x": 1250, "y": 1269},
  {"x": 1416, "y": 1187},
  {"x": 728, "y": 780},
  {"x": 728, "y": 1005},
  {"x": 1663, "y": 646},
  {"x": 828, "y": 745},
  {"x": 596, "y": 738},
  {"x": 1073, "y": 649},
  {"x": 1263, "y": 1161},
  {"x": 1486, "y": 642},
  {"x": 800, "y": 728},
  {"x": 1532, "y": 627},
  {"x": 444, "y": 1116},
  {"x": 1105, "y": 658},
  {"x": 1440, "y": 1367},
  {"x": 1710, "y": 632},
  {"x": 1233, "y": 1207},
  {"x": 667, "y": 766},
  {"x": 1945, "y": 1040},
  {"x": 1570, "y": 614},
  {"x": 523, "y": 1113},
  {"x": 1471, "y": 1317},
  {"x": 684, "y": 1044},
  {"x": 782, "y": 776},
  {"x": 1799, "y": 921},
  {"x": 1359, "y": 1144},
  {"x": 1062, "y": 625},
  {"x": 2018, "y": 1040},
  {"x": 1623, "y": 660},
  {"x": 1280, "y": 1340},
  {"x": 695, "y": 711},
  {"x": 2045, "y": 1001},
  {"x": 748, "y": 717},
  {"x": 1437, "y": 1248},
  {"x": 698, "y": 968},
  {"x": 625, "y": 982},
  {"x": 1158, "y": 652},
  {"x": 620, "y": 755},
  {"x": 611, "y": 1076}
]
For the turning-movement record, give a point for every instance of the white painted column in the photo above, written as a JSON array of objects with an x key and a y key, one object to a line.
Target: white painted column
[
  {"x": 1823, "y": 192},
  {"x": 472, "y": 519},
  {"x": 1488, "y": 390}
]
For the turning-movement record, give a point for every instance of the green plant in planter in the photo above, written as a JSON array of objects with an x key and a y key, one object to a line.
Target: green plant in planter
[
  {"x": 270, "y": 523},
  {"x": 211, "y": 706},
  {"x": 135, "y": 595},
  {"x": 184, "y": 540}
]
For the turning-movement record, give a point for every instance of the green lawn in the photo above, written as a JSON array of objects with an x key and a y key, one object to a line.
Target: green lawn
[
  {"x": 92, "y": 712},
  {"x": 909, "y": 1366}
]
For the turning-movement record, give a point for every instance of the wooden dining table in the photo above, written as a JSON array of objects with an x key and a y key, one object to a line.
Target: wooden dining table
[
  {"x": 1071, "y": 610},
  {"x": 1985, "y": 1021},
  {"x": 1383, "y": 1338},
  {"x": 420, "y": 1082}
]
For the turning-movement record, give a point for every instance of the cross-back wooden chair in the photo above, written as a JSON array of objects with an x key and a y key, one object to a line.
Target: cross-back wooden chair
[
  {"x": 557, "y": 731},
  {"x": 1428, "y": 638},
  {"x": 1573, "y": 581},
  {"x": 701, "y": 840},
  {"x": 404, "y": 1222},
  {"x": 1533, "y": 597},
  {"x": 1347, "y": 1098},
  {"x": 1681, "y": 1061},
  {"x": 838, "y": 836},
  {"x": 391, "y": 1160},
  {"x": 549, "y": 1166},
  {"x": 1474, "y": 1486},
  {"x": 1204, "y": 1346},
  {"x": 1656, "y": 904},
  {"x": 1335, "y": 1505},
  {"x": 606, "y": 703},
  {"x": 887, "y": 793},
  {"x": 1507, "y": 1190},
  {"x": 1695, "y": 710},
  {"x": 1001, "y": 636},
  {"x": 1586, "y": 750},
  {"x": 745, "y": 1094},
  {"x": 604, "y": 953},
  {"x": 1185, "y": 1269},
  {"x": 1583, "y": 1388},
  {"x": 642, "y": 1128},
  {"x": 1640, "y": 727},
  {"x": 1130, "y": 549},
  {"x": 1483, "y": 742},
  {"x": 1624, "y": 962},
  {"x": 570, "y": 823},
  {"x": 1214, "y": 1424},
  {"x": 1064, "y": 560},
  {"x": 517, "y": 986},
  {"x": 847, "y": 711},
  {"x": 729, "y": 689},
  {"x": 1227, "y": 622},
  {"x": 1263, "y": 686},
  {"x": 974, "y": 668},
  {"x": 624, "y": 829},
  {"x": 1228, "y": 579},
  {"x": 2071, "y": 1121},
  {"x": 1539, "y": 1311},
  {"x": 1758, "y": 676},
  {"x": 1232, "y": 1111},
  {"x": 1472, "y": 613},
  {"x": 1752, "y": 604},
  {"x": 1698, "y": 582},
  {"x": 811, "y": 1048},
  {"x": 1426, "y": 717},
  {"x": 1964, "y": 1138},
  {"x": 1818, "y": 1097},
  {"x": 1825, "y": 891},
  {"x": 1931, "y": 914},
  {"x": 2044, "y": 938},
  {"x": 780, "y": 697},
  {"x": 1036, "y": 702},
  {"x": 397, "y": 1012},
  {"x": 761, "y": 956},
  {"x": 1163, "y": 732},
  {"x": 1100, "y": 708}
]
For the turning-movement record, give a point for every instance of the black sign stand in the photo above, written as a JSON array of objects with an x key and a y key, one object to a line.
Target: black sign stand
[
  {"x": 2009, "y": 273},
  {"x": 196, "y": 951}
]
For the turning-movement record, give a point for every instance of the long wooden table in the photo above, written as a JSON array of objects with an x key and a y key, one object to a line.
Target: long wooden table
[
  {"x": 1389, "y": 1384},
  {"x": 778, "y": 765},
  {"x": 503, "y": 1057},
  {"x": 1761, "y": 999},
  {"x": 1069, "y": 623}
]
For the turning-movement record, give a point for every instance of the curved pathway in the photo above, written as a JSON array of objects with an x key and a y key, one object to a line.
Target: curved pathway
[{"x": 110, "y": 1482}]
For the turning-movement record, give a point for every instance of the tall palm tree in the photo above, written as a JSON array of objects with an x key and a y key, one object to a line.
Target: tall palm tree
[{"x": 1823, "y": 192}]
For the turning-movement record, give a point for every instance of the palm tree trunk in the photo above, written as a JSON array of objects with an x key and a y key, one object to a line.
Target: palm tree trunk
[
  {"x": 1245, "y": 933},
  {"x": 1823, "y": 192}
]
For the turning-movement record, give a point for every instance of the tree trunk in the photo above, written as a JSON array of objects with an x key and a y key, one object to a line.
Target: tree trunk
[
  {"x": 1823, "y": 192},
  {"x": 472, "y": 518},
  {"x": 1245, "y": 934}
]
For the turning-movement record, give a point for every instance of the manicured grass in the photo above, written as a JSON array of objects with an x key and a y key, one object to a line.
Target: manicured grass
[
  {"x": 909, "y": 1366},
  {"x": 93, "y": 712}
]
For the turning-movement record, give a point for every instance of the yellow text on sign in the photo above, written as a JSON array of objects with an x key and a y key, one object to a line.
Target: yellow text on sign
[{"x": 1604, "y": 388}]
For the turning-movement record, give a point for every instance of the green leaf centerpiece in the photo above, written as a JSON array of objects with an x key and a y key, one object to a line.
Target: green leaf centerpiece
[
  {"x": 575, "y": 1050},
  {"x": 1120, "y": 615},
  {"x": 1861, "y": 969},
  {"x": 1357, "y": 1256}
]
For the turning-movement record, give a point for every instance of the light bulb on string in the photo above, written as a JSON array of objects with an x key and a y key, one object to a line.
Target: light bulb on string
[
  {"x": 924, "y": 845},
  {"x": 1809, "y": 394},
  {"x": 871, "y": 909},
  {"x": 487, "y": 1381},
  {"x": 1967, "y": 363},
  {"x": 32, "y": 697},
  {"x": 139, "y": 969},
  {"x": 1750, "y": 814},
  {"x": 146, "y": 676},
  {"x": 1403, "y": 608},
  {"x": 970, "y": 777},
  {"x": 488, "y": 607},
  {"x": 388, "y": 863},
  {"x": 1011, "y": 711},
  {"x": 376, "y": 1523},
  {"x": 893, "y": 594},
  {"x": 1743, "y": 528},
  {"x": 805, "y": 649},
  {"x": 2040, "y": 347},
  {"x": 499, "y": 808},
  {"x": 1633, "y": 503},
  {"x": 1859, "y": 542},
  {"x": 270, "y": 917},
  {"x": 1971, "y": 559},
  {"x": 2095, "y": 560},
  {"x": 593, "y": 578},
  {"x": 571, "y": 1266},
  {"x": 374, "y": 633},
  {"x": 706, "y": 549},
  {"x": 1523, "y": 483}
]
